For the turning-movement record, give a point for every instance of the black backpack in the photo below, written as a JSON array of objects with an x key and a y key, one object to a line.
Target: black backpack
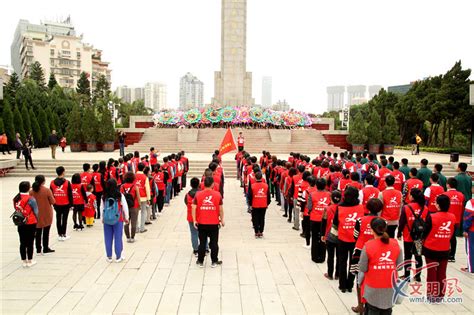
[
  {"x": 128, "y": 196},
  {"x": 418, "y": 227},
  {"x": 18, "y": 218}
]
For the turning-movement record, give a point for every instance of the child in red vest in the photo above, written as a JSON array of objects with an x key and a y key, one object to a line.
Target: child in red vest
[
  {"x": 79, "y": 199},
  {"x": 90, "y": 207}
]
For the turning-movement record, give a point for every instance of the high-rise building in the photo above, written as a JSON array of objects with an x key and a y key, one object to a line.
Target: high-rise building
[
  {"x": 281, "y": 106},
  {"x": 335, "y": 98},
  {"x": 155, "y": 96},
  {"x": 267, "y": 91},
  {"x": 59, "y": 50},
  {"x": 374, "y": 90},
  {"x": 233, "y": 84},
  {"x": 356, "y": 93},
  {"x": 129, "y": 94},
  {"x": 191, "y": 91},
  {"x": 5, "y": 72}
]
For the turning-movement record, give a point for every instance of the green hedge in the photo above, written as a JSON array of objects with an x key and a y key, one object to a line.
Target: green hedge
[{"x": 436, "y": 149}]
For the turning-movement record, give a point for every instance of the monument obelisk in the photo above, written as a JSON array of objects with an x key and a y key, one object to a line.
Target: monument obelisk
[{"x": 233, "y": 84}]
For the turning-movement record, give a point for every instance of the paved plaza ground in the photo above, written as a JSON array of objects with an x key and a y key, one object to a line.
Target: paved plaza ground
[{"x": 274, "y": 275}]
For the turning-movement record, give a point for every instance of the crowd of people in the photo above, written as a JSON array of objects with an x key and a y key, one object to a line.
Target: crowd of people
[{"x": 352, "y": 208}]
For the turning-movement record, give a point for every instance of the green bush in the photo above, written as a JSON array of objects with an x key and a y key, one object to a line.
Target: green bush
[
  {"x": 106, "y": 128},
  {"x": 374, "y": 128},
  {"x": 390, "y": 134},
  {"x": 444, "y": 150},
  {"x": 357, "y": 130},
  {"x": 90, "y": 127},
  {"x": 74, "y": 130}
]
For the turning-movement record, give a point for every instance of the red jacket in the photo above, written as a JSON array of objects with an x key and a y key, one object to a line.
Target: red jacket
[{"x": 208, "y": 204}]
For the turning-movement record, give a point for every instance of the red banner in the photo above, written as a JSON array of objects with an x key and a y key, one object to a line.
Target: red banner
[{"x": 228, "y": 143}]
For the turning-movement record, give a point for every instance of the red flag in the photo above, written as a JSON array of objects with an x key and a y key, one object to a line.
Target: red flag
[{"x": 228, "y": 143}]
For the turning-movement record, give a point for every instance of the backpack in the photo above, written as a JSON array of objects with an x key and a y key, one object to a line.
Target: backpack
[
  {"x": 111, "y": 211},
  {"x": 18, "y": 218},
  {"x": 418, "y": 227},
  {"x": 128, "y": 196},
  {"x": 371, "y": 169}
]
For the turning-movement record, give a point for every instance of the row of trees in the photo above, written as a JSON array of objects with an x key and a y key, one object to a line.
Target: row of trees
[
  {"x": 437, "y": 108},
  {"x": 83, "y": 114}
]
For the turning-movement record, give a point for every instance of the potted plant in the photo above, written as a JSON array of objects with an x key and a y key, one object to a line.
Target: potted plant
[
  {"x": 106, "y": 131},
  {"x": 390, "y": 135},
  {"x": 374, "y": 132},
  {"x": 90, "y": 129},
  {"x": 74, "y": 129},
  {"x": 357, "y": 133}
]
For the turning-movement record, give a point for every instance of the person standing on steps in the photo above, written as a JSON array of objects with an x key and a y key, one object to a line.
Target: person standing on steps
[
  {"x": 62, "y": 193},
  {"x": 4, "y": 143},
  {"x": 122, "y": 137},
  {"x": 26, "y": 149},
  {"x": 208, "y": 217},
  {"x": 18, "y": 146},
  {"x": 259, "y": 200},
  {"x": 240, "y": 141},
  {"x": 53, "y": 143},
  {"x": 44, "y": 198}
]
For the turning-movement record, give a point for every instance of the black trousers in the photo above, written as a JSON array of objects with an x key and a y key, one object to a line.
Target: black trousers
[
  {"x": 27, "y": 239},
  {"x": 98, "y": 196},
  {"x": 4, "y": 148},
  {"x": 346, "y": 279},
  {"x": 372, "y": 310},
  {"x": 288, "y": 209},
  {"x": 42, "y": 238},
  {"x": 62, "y": 212},
  {"x": 391, "y": 230},
  {"x": 407, "y": 253},
  {"x": 454, "y": 244},
  {"x": 160, "y": 199},
  {"x": 277, "y": 193},
  {"x": 332, "y": 251},
  {"x": 183, "y": 180},
  {"x": 306, "y": 228},
  {"x": 210, "y": 231},
  {"x": 18, "y": 154},
  {"x": 318, "y": 248},
  {"x": 77, "y": 214},
  {"x": 258, "y": 219},
  {"x": 175, "y": 186},
  {"x": 28, "y": 159}
]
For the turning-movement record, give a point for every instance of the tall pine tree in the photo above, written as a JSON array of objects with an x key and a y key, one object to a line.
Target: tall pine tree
[
  {"x": 44, "y": 127},
  {"x": 8, "y": 120},
  {"x": 52, "y": 81},
  {"x": 26, "y": 119},
  {"x": 2, "y": 127},
  {"x": 84, "y": 88},
  {"x": 102, "y": 89},
  {"x": 35, "y": 129},
  {"x": 37, "y": 74},
  {"x": 12, "y": 86},
  {"x": 18, "y": 122}
]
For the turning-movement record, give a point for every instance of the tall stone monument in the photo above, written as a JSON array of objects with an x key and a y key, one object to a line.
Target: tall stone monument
[{"x": 233, "y": 84}]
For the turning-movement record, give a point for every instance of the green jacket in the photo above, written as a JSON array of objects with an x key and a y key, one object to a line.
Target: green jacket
[
  {"x": 390, "y": 166},
  {"x": 464, "y": 185},
  {"x": 364, "y": 160},
  {"x": 405, "y": 170},
  {"x": 442, "y": 180},
  {"x": 424, "y": 175}
]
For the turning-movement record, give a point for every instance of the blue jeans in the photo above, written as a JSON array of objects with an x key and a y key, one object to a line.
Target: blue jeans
[
  {"x": 122, "y": 149},
  {"x": 113, "y": 234},
  {"x": 168, "y": 193},
  {"x": 195, "y": 237}
]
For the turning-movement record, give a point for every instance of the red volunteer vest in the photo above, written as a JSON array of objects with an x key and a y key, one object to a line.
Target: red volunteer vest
[
  {"x": 297, "y": 182},
  {"x": 343, "y": 183},
  {"x": 60, "y": 193},
  {"x": 189, "y": 206},
  {"x": 140, "y": 181},
  {"x": 382, "y": 263},
  {"x": 369, "y": 192},
  {"x": 457, "y": 203},
  {"x": 112, "y": 172},
  {"x": 259, "y": 195},
  {"x": 331, "y": 210},
  {"x": 89, "y": 210},
  {"x": 24, "y": 207},
  {"x": 97, "y": 182},
  {"x": 347, "y": 219},
  {"x": 442, "y": 229},
  {"x": 159, "y": 179},
  {"x": 410, "y": 184},
  {"x": 86, "y": 178},
  {"x": 435, "y": 191},
  {"x": 77, "y": 198},
  {"x": 411, "y": 218},
  {"x": 399, "y": 179},
  {"x": 320, "y": 200},
  {"x": 208, "y": 204},
  {"x": 153, "y": 159},
  {"x": 392, "y": 203},
  {"x": 383, "y": 172},
  {"x": 365, "y": 233},
  {"x": 130, "y": 189}
]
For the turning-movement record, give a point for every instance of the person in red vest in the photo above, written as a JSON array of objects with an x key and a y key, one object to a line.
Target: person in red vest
[
  {"x": 153, "y": 157},
  {"x": 392, "y": 205},
  {"x": 412, "y": 182},
  {"x": 439, "y": 230},
  {"x": 468, "y": 233},
  {"x": 318, "y": 200},
  {"x": 168, "y": 170},
  {"x": 303, "y": 195},
  {"x": 238, "y": 158},
  {"x": 334, "y": 177},
  {"x": 456, "y": 207},
  {"x": 344, "y": 181},
  {"x": 131, "y": 190},
  {"x": 188, "y": 201},
  {"x": 381, "y": 174},
  {"x": 98, "y": 181},
  {"x": 345, "y": 218},
  {"x": 90, "y": 207},
  {"x": 134, "y": 161},
  {"x": 415, "y": 209},
  {"x": 432, "y": 192},
  {"x": 79, "y": 198},
  {"x": 111, "y": 170},
  {"x": 378, "y": 261},
  {"x": 399, "y": 176},
  {"x": 240, "y": 141},
  {"x": 208, "y": 217},
  {"x": 259, "y": 199},
  {"x": 27, "y": 205},
  {"x": 86, "y": 175},
  {"x": 160, "y": 178},
  {"x": 143, "y": 184},
  {"x": 324, "y": 170},
  {"x": 62, "y": 193},
  {"x": 362, "y": 234},
  {"x": 368, "y": 192},
  {"x": 355, "y": 181},
  {"x": 185, "y": 162},
  {"x": 296, "y": 182},
  {"x": 330, "y": 239}
]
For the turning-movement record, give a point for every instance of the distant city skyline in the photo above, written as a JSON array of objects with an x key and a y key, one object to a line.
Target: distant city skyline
[{"x": 314, "y": 48}]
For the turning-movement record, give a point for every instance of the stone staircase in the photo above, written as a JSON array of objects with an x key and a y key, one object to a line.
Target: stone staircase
[{"x": 304, "y": 141}]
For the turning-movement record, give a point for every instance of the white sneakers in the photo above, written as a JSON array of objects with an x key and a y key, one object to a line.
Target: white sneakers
[
  {"x": 118, "y": 260},
  {"x": 63, "y": 238},
  {"x": 306, "y": 246},
  {"x": 27, "y": 264},
  {"x": 108, "y": 259}
]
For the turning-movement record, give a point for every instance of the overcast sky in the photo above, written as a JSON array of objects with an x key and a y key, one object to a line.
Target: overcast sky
[{"x": 304, "y": 45}]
